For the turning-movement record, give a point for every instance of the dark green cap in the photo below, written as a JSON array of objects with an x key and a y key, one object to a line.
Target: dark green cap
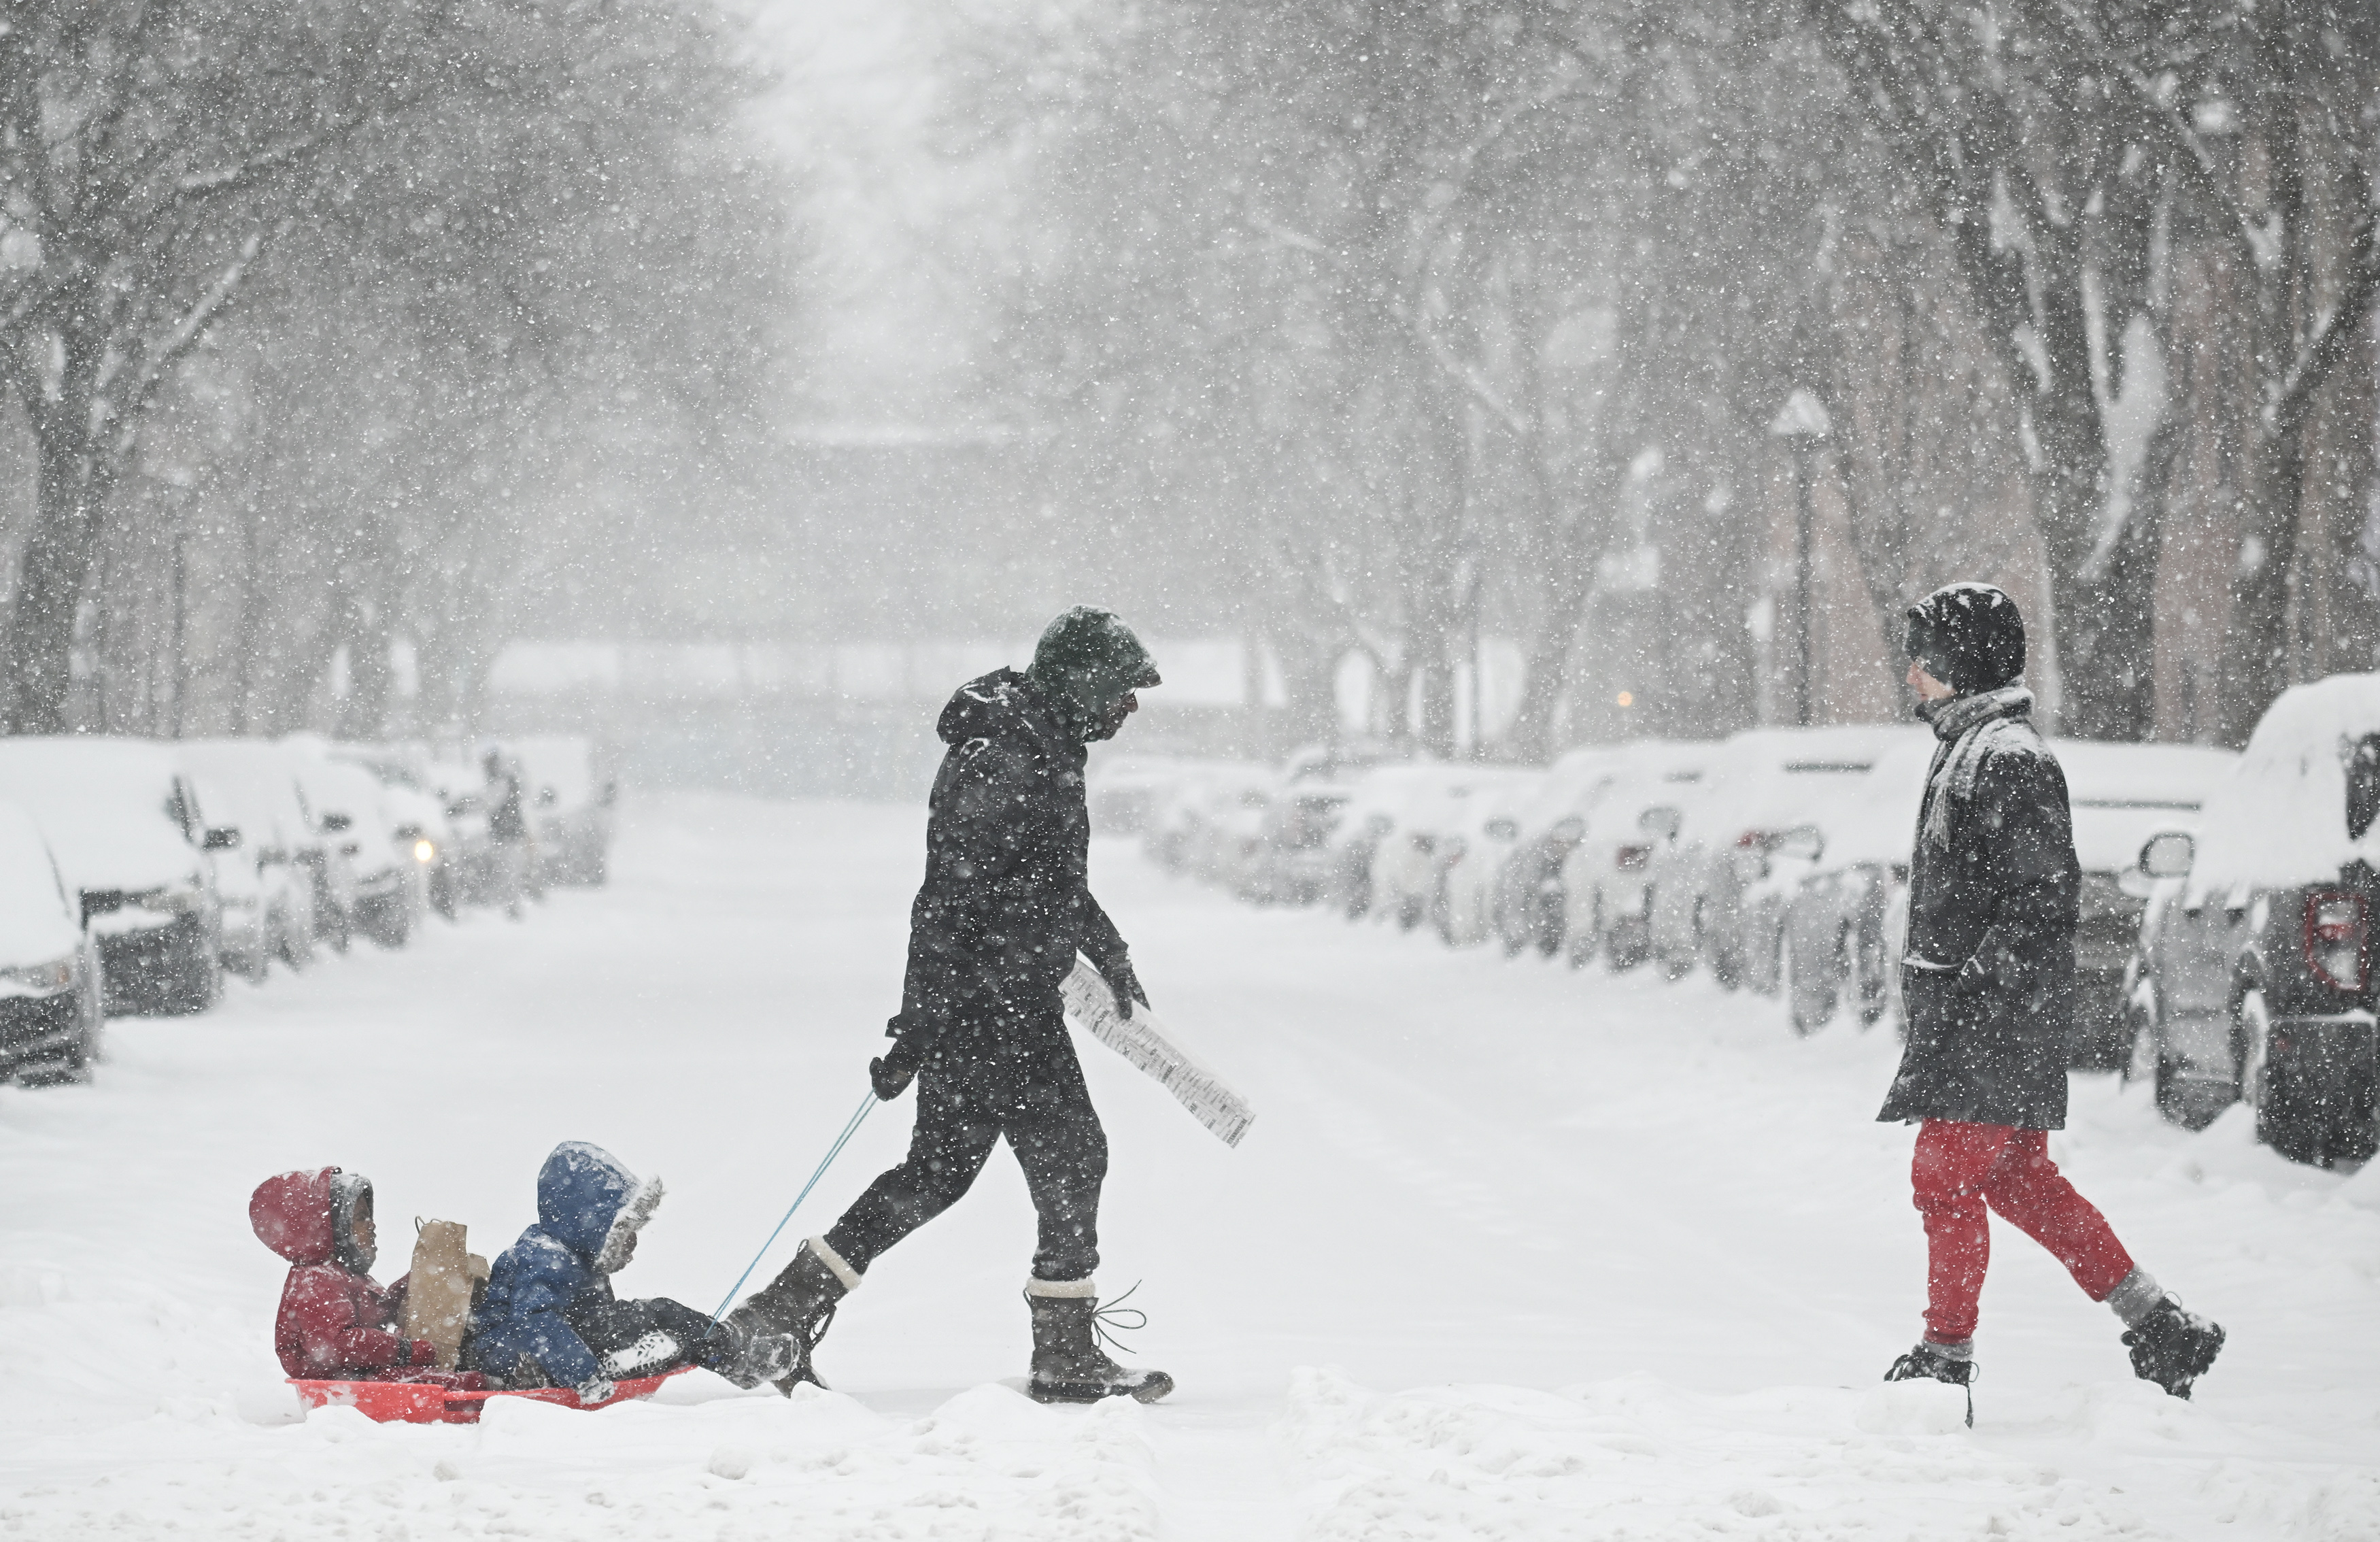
[{"x": 1091, "y": 659}]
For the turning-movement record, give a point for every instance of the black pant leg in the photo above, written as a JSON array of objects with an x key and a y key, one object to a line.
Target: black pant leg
[
  {"x": 613, "y": 1324},
  {"x": 1063, "y": 1149},
  {"x": 955, "y": 1132}
]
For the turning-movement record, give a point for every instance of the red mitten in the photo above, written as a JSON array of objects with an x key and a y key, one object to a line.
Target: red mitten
[{"x": 416, "y": 1351}]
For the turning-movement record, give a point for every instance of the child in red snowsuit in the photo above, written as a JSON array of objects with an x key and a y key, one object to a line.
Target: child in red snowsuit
[{"x": 334, "y": 1322}]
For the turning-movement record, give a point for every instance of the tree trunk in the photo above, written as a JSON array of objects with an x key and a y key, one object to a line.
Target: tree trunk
[{"x": 71, "y": 489}]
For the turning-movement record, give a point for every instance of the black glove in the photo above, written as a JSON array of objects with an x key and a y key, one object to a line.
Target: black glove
[
  {"x": 890, "y": 1073},
  {"x": 1123, "y": 983}
]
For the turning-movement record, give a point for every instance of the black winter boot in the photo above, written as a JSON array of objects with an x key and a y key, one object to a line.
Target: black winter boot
[
  {"x": 1931, "y": 1362},
  {"x": 1068, "y": 1364},
  {"x": 2173, "y": 1347},
  {"x": 797, "y": 1306}
]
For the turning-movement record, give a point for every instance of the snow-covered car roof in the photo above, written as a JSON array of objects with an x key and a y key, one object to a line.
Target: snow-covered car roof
[
  {"x": 1773, "y": 779},
  {"x": 38, "y": 920},
  {"x": 1433, "y": 796},
  {"x": 2279, "y": 819},
  {"x": 564, "y": 762},
  {"x": 2122, "y": 793},
  {"x": 250, "y": 784},
  {"x": 105, "y": 806},
  {"x": 334, "y": 786},
  {"x": 1653, "y": 774},
  {"x": 1873, "y": 819},
  {"x": 1570, "y": 786}
]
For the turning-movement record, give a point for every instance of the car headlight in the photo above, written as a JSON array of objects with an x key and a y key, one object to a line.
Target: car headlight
[
  {"x": 425, "y": 850},
  {"x": 41, "y": 979}
]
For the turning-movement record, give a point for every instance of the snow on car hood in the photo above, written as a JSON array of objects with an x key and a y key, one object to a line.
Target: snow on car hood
[
  {"x": 106, "y": 807},
  {"x": 2279, "y": 819}
]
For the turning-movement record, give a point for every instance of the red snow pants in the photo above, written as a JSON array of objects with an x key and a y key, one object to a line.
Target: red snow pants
[{"x": 1958, "y": 1171}]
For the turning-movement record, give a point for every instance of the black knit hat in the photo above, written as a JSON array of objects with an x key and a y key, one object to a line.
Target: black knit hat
[
  {"x": 1091, "y": 659},
  {"x": 1968, "y": 636}
]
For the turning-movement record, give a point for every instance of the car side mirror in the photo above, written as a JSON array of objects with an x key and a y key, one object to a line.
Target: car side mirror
[
  {"x": 1803, "y": 842},
  {"x": 221, "y": 837},
  {"x": 338, "y": 824},
  {"x": 2168, "y": 853},
  {"x": 1661, "y": 823}
]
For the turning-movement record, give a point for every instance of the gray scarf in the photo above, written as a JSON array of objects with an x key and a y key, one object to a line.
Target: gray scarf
[{"x": 1964, "y": 724}]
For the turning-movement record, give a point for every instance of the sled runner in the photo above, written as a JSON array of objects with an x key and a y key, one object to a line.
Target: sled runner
[
  {"x": 1143, "y": 1041},
  {"x": 427, "y": 1402}
]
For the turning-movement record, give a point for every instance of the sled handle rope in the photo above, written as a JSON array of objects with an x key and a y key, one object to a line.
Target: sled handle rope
[{"x": 849, "y": 1129}]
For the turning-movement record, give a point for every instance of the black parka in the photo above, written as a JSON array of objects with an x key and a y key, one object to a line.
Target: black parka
[
  {"x": 1988, "y": 979},
  {"x": 1006, "y": 906}
]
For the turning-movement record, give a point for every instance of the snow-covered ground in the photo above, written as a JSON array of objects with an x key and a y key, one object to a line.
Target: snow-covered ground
[{"x": 1511, "y": 1252}]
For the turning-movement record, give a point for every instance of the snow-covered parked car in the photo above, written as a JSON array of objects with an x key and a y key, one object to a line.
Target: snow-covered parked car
[
  {"x": 265, "y": 882},
  {"x": 569, "y": 809},
  {"x": 1718, "y": 897},
  {"x": 1853, "y": 866},
  {"x": 1294, "y": 866},
  {"x": 51, "y": 1009},
  {"x": 1124, "y": 792},
  {"x": 1181, "y": 815},
  {"x": 129, "y": 837},
  {"x": 2252, "y": 977},
  {"x": 1473, "y": 850},
  {"x": 368, "y": 889},
  {"x": 1528, "y": 905},
  {"x": 1426, "y": 815},
  {"x": 1606, "y": 878},
  {"x": 2122, "y": 795}
]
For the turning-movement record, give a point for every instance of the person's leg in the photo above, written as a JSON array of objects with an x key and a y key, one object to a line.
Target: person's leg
[
  {"x": 2026, "y": 1188},
  {"x": 609, "y": 1327},
  {"x": 1946, "y": 1175},
  {"x": 1063, "y": 1150},
  {"x": 953, "y": 1133}
]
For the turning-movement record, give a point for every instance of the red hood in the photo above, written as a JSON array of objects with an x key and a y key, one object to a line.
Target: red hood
[{"x": 291, "y": 1212}]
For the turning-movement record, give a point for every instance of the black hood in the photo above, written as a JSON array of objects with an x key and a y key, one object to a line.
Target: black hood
[
  {"x": 1968, "y": 636},
  {"x": 1001, "y": 705}
]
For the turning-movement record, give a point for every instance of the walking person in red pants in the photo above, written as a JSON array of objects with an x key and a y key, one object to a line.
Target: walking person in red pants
[{"x": 1988, "y": 980}]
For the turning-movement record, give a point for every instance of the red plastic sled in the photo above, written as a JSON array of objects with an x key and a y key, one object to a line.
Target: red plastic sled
[{"x": 421, "y": 1402}]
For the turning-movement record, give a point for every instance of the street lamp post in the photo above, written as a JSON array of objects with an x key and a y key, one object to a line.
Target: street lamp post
[{"x": 1802, "y": 423}]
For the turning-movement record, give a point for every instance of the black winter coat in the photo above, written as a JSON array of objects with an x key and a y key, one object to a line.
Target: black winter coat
[
  {"x": 1006, "y": 906},
  {"x": 1993, "y": 890}
]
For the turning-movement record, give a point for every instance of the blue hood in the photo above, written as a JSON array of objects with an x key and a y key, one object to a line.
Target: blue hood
[{"x": 582, "y": 1192}]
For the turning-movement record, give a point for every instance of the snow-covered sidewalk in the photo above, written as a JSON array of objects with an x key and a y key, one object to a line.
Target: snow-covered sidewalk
[{"x": 1511, "y": 1251}]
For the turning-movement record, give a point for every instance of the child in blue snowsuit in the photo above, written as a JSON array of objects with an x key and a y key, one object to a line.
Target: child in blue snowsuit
[{"x": 549, "y": 1317}]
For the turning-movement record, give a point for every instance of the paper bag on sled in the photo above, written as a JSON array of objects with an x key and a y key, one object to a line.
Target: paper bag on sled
[{"x": 438, "y": 1297}]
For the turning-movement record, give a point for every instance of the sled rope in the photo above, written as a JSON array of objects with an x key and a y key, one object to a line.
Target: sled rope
[{"x": 849, "y": 1129}]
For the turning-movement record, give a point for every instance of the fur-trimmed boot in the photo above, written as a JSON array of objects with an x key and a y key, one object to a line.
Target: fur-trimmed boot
[
  {"x": 1068, "y": 1364},
  {"x": 798, "y": 1305}
]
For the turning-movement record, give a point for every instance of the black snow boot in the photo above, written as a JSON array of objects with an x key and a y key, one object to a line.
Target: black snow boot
[
  {"x": 796, "y": 1306},
  {"x": 1931, "y": 1362},
  {"x": 2173, "y": 1347},
  {"x": 1068, "y": 1364}
]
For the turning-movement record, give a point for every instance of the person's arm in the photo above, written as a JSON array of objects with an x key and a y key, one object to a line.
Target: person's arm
[
  {"x": 2026, "y": 832},
  {"x": 334, "y": 1336},
  {"x": 976, "y": 843}
]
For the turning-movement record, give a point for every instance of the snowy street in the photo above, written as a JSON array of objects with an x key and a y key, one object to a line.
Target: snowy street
[{"x": 1511, "y": 1251}]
